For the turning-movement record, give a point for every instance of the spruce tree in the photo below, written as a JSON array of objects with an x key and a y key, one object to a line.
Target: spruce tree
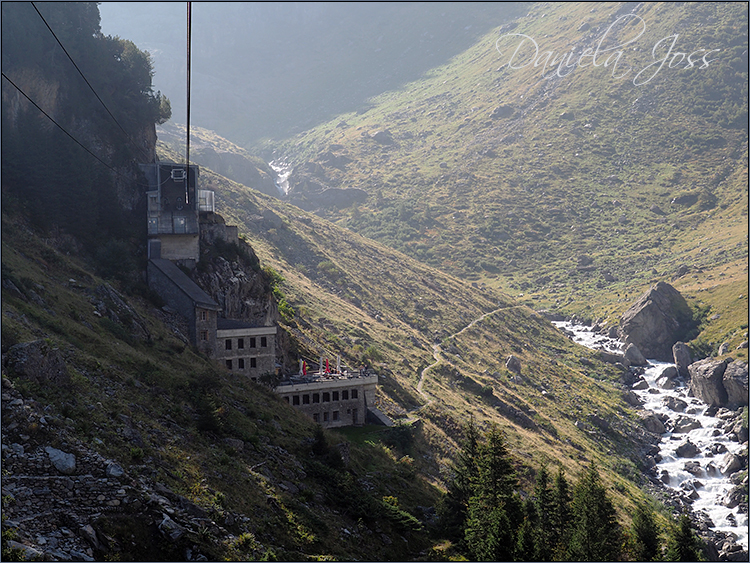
[
  {"x": 526, "y": 547},
  {"x": 645, "y": 535},
  {"x": 544, "y": 511},
  {"x": 560, "y": 517},
  {"x": 683, "y": 545},
  {"x": 596, "y": 535},
  {"x": 494, "y": 511}
]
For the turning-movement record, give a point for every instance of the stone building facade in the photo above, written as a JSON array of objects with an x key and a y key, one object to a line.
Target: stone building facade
[
  {"x": 245, "y": 348},
  {"x": 331, "y": 401}
]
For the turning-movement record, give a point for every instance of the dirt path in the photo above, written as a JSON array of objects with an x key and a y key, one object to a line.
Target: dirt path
[{"x": 436, "y": 351}]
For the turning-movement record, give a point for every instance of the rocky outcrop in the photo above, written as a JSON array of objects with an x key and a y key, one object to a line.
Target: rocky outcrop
[
  {"x": 38, "y": 362},
  {"x": 735, "y": 384},
  {"x": 513, "y": 364},
  {"x": 720, "y": 383},
  {"x": 681, "y": 358},
  {"x": 706, "y": 381},
  {"x": 657, "y": 321}
]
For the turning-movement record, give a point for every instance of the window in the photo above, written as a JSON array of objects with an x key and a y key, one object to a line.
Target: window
[
  {"x": 204, "y": 335},
  {"x": 335, "y": 415},
  {"x": 263, "y": 342},
  {"x": 316, "y": 417},
  {"x": 204, "y": 315},
  {"x": 325, "y": 417},
  {"x": 253, "y": 362},
  {"x": 252, "y": 342},
  {"x": 228, "y": 344},
  {"x": 286, "y": 399},
  {"x": 345, "y": 395},
  {"x": 305, "y": 399},
  {"x": 335, "y": 395},
  {"x": 295, "y": 399},
  {"x": 229, "y": 364},
  {"x": 316, "y": 397},
  {"x": 326, "y": 397},
  {"x": 241, "y": 363},
  {"x": 240, "y": 343},
  {"x": 355, "y": 393}
]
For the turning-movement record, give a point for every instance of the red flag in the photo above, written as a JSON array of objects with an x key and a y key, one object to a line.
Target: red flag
[
  {"x": 327, "y": 368},
  {"x": 304, "y": 367}
]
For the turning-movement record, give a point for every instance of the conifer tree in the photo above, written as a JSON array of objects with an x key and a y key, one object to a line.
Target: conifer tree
[
  {"x": 645, "y": 534},
  {"x": 560, "y": 517},
  {"x": 596, "y": 535},
  {"x": 544, "y": 510},
  {"x": 683, "y": 545},
  {"x": 453, "y": 508},
  {"x": 494, "y": 508},
  {"x": 526, "y": 547}
]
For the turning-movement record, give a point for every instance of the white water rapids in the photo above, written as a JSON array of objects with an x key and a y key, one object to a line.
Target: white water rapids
[
  {"x": 283, "y": 170},
  {"x": 705, "y": 484}
]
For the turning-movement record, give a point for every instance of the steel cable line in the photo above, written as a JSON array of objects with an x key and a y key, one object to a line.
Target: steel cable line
[
  {"x": 56, "y": 123},
  {"x": 89, "y": 84}
]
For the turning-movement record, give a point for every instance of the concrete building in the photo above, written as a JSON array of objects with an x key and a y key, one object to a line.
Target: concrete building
[
  {"x": 245, "y": 348},
  {"x": 331, "y": 400}
]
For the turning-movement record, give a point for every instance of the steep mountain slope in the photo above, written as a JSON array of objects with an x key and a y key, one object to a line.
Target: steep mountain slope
[
  {"x": 577, "y": 190},
  {"x": 440, "y": 345}
]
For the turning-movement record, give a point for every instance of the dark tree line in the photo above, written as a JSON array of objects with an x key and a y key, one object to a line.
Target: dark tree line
[{"x": 483, "y": 514}]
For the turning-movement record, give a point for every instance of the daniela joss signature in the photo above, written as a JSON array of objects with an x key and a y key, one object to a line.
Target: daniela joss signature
[{"x": 601, "y": 55}]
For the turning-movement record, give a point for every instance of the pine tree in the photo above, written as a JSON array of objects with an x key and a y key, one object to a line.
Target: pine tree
[
  {"x": 596, "y": 535},
  {"x": 683, "y": 545},
  {"x": 645, "y": 535},
  {"x": 560, "y": 517},
  {"x": 544, "y": 510},
  {"x": 453, "y": 508},
  {"x": 494, "y": 508},
  {"x": 526, "y": 547}
]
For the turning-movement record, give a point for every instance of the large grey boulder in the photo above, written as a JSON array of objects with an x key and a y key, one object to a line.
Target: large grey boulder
[
  {"x": 652, "y": 423},
  {"x": 513, "y": 364},
  {"x": 706, "y": 381},
  {"x": 659, "y": 318},
  {"x": 735, "y": 384},
  {"x": 681, "y": 357},
  {"x": 65, "y": 463},
  {"x": 634, "y": 356}
]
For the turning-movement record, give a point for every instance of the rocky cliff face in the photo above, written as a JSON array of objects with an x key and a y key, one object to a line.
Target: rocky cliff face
[{"x": 657, "y": 321}]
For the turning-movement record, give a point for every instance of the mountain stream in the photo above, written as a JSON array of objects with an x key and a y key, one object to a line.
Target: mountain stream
[{"x": 687, "y": 420}]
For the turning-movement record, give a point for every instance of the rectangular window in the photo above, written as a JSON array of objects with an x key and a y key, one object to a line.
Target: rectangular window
[
  {"x": 305, "y": 399},
  {"x": 228, "y": 344},
  {"x": 345, "y": 395},
  {"x": 263, "y": 342},
  {"x": 335, "y": 395},
  {"x": 316, "y": 417},
  {"x": 326, "y": 397},
  {"x": 316, "y": 397},
  {"x": 286, "y": 399},
  {"x": 180, "y": 225},
  {"x": 204, "y": 315},
  {"x": 335, "y": 415},
  {"x": 229, "y": 364},
  {"x": 204, "y": 335},
  {"x": 241, "y": 363},
  {"x": 252, "y": 342},
  {"x": 240, "y": 343},
  {"x": 295, "y": 399},
  {"x": 253, "y": 362},
  {"x": 355, "y": 393},
  {"x": 325, "y": 417}
]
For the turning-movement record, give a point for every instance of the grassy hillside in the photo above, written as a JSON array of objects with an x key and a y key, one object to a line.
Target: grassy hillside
[
  {"x": 505, "y": 177},
  {"x": 438, "y": 368}
]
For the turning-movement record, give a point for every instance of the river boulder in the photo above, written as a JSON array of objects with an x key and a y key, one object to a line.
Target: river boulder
[
  {"x": 706, "y": 381},
  {"x": 735, "y": 384},
  {"x": 655, "y": 322},
  {"x": 681, "y": 358},
  {"x": 634, "y": 356},
  {"x": 687, "y": 449}
]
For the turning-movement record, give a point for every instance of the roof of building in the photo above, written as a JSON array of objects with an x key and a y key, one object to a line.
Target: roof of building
[
  {"x": 232, "y": 324},
  {"x": 186, "y": 285}
]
